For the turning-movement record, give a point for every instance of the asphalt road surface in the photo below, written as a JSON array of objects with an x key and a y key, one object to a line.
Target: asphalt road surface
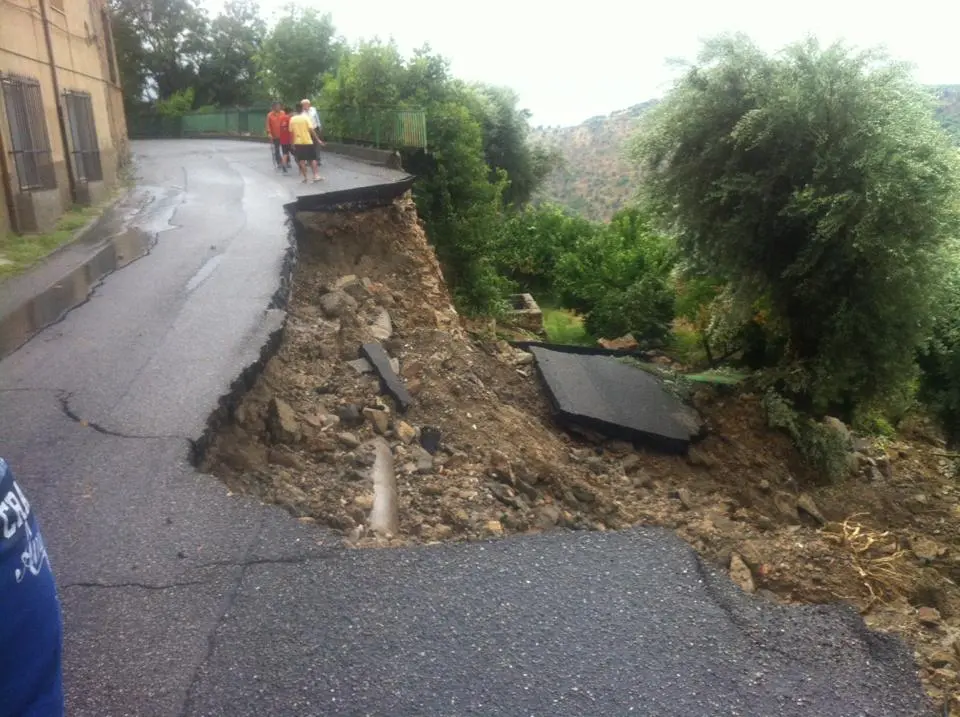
[{"x": 182, "y": 599}]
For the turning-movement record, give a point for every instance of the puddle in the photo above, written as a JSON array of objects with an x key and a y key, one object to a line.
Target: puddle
[{"x": 123, "y": 234}]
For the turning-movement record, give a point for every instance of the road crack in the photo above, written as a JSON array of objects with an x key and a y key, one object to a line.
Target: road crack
[
  {"x": 143, "y": 586},
  {"x": 63, "y": 397}
]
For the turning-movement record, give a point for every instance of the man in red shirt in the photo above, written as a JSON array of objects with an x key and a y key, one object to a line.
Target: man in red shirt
[
  {"x": 286, "y": 139},
  {"x": 274, "y": 130}
]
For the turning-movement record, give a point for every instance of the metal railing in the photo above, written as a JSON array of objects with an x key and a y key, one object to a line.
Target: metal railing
[
  {"x": 29, "y": 140},
  {"x": 83, "y": 137},
  {"x": 378, "y": 127}
]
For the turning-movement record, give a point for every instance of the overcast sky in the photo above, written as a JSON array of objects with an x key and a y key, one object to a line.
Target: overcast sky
[{"x": 573, "y": 60}]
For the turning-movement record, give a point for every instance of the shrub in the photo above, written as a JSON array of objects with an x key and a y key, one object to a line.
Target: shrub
[
  {"x": 818, "y": 182},
  {"x": 939, "y": 357},
  {"x": 821, "y": 444}
]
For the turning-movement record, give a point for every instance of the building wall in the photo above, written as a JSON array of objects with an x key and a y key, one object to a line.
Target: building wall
[{"x": 80, "y": 51}]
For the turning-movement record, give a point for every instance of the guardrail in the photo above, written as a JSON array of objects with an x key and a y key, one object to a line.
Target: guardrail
[{"x": 382, "y": 128}]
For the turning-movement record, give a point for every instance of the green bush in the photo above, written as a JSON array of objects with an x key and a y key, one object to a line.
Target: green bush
[
  {"x": 939, "y": 357},
  {"x": 822, "y": 446},
  {"x": 619, "y": 277},
  {"x": 816, "y": 181}
]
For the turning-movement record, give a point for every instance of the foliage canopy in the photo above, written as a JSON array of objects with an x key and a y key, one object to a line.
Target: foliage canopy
[{"x": 815, "y": 181}]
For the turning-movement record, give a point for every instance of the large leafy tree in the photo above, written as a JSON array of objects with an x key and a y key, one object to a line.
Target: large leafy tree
[
  {"x": 229, "y": 75},
  {"x": 161, "y": 45},
  {"x": 817, "y": 182},
  {"x": 506, "y": 143},
  {"x": 298, "y": 52}
]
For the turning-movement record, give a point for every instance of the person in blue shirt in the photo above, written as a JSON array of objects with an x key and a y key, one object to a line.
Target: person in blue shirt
[{"x": 31, "y": 632}]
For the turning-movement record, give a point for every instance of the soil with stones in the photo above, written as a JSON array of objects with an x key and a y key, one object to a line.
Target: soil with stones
[{"x": 477, "y": 455}]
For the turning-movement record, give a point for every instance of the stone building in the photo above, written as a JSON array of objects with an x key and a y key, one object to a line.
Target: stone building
[{"x": 63, "y": 132}]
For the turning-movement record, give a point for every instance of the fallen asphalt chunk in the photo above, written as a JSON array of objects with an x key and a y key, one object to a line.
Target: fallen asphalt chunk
[
  {"x": 390, "y": 382},
  {"x": 604, "y": 394}
]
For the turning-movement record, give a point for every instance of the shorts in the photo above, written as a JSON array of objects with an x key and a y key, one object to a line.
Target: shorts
[
  {"x": 305, "y": 152},
  {"x": 285, "y": 148}
]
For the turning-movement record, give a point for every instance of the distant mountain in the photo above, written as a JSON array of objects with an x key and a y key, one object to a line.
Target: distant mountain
[
  {"x": 597, "y": 178},
  {"x": 948, "y": 109}
]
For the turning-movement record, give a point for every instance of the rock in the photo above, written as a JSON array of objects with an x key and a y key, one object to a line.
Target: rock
[
  {"x": 382, "y": 327},
  {"x": 379, "y": 419},
  {"x": 929, "y": 616},
  {"x": 355, "y": 475},
  {"x": 786, "y": 504},
  {"x": 945, "y": 677},
  {"x": 283, "y": 458},
  {"x": 423, "y": 458},
  {"x": 288, "y": 494},
  {"x": 283, "y": 422},
  {"x": 414, "y": 386},
  {"x": 740, "y": 574},
  {"x": 348, "y": 439},
  {"x": 806, "y": 504},
  {"x": 943, "y": 658},
  {"x": 495, "y": 527},
  {"x": 364, "y": 501},
  {"x": 863, "y": 445},
  {"x": 685, "y": 497},
  {"x": 548, "y": 516},
  {"x": 696, "y": 457},
  {"x": 411, "y": 369},
  {"x": 625, "y": 343},
  {"x": 764, "y": 485},
  {"x": 523, "y": 359},
  {"x": 442, "y": 532},
  {"x": 337, "y": 303},
  {"x": 500, "y": 466},
  {"x": 630, "y": 462},
  {"x": 350, "y": 415},
  {"x": 354, "y": 287},
  {"x": 321, "y": 444},
  {"x": 584, "y": 493},
  {"x": 405, "y": 432},
  {"x": 926, "y": 550},
  {"x": 360, "y": 365},
  {"x": 430, "y": 439},
  {"x": 619, "y": 448},
  {"x": 642, "y": 479},
  {"x": 885, "y": 467}
]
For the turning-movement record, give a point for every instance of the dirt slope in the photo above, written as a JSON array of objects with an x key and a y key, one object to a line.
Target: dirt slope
[{"x": 885, "y": 540}]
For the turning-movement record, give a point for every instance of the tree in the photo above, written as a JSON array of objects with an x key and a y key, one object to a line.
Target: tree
[
  {"x": 229, "y": 75},
  {"x": 506, "y": 143},
  {"x": 816, "y": 181},
  {"x": 298, "y": 52},
  {"x": 161, "y": 45}
]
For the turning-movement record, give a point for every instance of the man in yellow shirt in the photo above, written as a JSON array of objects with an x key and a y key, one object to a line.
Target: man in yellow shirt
[{"x": 305, "y": 142}]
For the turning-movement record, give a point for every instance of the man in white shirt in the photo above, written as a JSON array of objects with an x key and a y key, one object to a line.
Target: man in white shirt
[{"x": 311, "y": 113}]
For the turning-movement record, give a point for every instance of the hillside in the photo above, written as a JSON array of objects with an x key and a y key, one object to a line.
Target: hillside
[
  {"x": 948, "y": 111},
  {"x": 596, "y": 178}
]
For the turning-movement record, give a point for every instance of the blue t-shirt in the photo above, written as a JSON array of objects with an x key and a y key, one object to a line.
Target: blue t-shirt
[{"x": 31, "y": 632}]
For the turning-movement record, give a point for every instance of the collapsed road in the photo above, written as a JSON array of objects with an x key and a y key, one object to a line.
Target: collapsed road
[{"x": 181, "y": 598}]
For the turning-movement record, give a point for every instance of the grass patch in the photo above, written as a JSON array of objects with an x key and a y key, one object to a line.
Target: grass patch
[
  {"x": 25, "y": 250},
  {"x": 720, "y": 377},
  {"x": 565, "y": 327}
]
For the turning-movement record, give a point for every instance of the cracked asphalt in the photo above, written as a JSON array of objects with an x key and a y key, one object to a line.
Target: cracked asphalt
[{"x": 182, "y": 599}]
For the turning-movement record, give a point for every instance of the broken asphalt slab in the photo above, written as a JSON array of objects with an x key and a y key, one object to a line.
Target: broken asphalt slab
[
  {"x": 181, "y": 598},
  {"x": 603, "y": 393}
]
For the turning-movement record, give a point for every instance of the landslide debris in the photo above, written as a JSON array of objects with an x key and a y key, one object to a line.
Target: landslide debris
[{"x": 478, "y": 455}]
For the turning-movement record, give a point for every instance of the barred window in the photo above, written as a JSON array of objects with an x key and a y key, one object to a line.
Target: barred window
[
  {"x": 30, "y": 143},
  {"x": 83, "y": 137}
]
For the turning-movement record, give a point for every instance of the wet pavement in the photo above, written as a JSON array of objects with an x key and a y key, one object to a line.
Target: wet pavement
[{"x": 182, "y": 599}]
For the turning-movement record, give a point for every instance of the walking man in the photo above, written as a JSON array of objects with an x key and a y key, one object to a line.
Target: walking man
[
  {"x": 305, "y": 142},
  {"x": 274, "y": 120}
]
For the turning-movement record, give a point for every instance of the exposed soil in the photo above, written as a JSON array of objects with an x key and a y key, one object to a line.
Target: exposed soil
[{"x": 885, "y": 540}]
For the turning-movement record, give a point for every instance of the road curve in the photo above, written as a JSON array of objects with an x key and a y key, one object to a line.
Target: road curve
[{"x": 182, "y": 599}]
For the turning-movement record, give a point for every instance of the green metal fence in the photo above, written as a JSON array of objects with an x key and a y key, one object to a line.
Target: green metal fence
[{"x": 385, "y": 128}]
